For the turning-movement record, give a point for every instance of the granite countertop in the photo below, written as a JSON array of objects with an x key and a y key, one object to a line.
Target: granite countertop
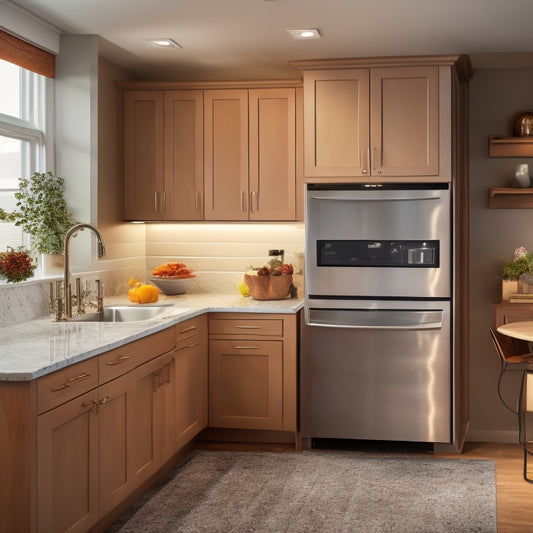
[{"x": 37, "y": 347}]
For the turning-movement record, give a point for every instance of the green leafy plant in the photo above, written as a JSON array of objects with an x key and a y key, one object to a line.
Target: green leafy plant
[
  {"x": 41, "y": 211},
  {"x": 522, "y": 263}
]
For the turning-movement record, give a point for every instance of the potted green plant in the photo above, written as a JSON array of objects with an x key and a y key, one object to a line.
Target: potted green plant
[
  {"x": 41, "y": 211},
  {"x": 520, "y": 267}
]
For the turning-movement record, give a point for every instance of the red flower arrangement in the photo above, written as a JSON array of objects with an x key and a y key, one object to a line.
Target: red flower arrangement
[{"x": 16, "y": 265}]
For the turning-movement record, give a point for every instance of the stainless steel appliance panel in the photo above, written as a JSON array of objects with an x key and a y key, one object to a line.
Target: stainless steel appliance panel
[
  {"x": 377, "y": 370},
  {"x": 407, "y": 226}
]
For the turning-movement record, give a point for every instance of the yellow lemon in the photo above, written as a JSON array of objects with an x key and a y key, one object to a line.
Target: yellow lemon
[{"x": 243, "y": 289}]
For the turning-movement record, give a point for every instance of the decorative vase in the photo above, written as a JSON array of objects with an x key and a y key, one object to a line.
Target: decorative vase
[
  {"x": 523, "y": 124},
  {"x": 521, "y": 175},
  {"x": 52, "y": 264}
]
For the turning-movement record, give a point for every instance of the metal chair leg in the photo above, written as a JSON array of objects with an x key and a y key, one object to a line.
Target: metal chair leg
[{"x": 522, "y": 429}]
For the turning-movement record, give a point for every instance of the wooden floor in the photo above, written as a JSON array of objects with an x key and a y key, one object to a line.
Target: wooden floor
[{"x": 514, "y": 495}]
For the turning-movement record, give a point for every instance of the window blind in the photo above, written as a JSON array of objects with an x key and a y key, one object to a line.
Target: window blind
[{"x": 26, "y": 55}]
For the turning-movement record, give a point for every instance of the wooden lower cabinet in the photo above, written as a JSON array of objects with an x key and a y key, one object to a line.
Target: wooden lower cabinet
[
  {"x": 513, "y": 312},
  {"x": 252, "y": 371},
  {"x": 77, "y": 442},
  {"x": 246, "y": 388},
  {"x": 67, "y": 466},
  {"x": 90, "y": 435},
  {"x": 131, "y": 415}
]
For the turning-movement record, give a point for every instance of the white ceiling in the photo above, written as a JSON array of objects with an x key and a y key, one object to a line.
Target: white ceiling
[{"x": 247, "y": 39}]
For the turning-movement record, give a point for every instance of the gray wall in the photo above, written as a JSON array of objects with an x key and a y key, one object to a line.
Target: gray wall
[{"x": 495, "y": 97}]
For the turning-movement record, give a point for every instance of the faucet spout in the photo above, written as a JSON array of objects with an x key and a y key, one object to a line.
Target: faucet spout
[{"x": 66, "y": 278}]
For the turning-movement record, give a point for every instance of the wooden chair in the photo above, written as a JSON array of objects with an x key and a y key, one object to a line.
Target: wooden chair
[{"x": 515, "y": 355}]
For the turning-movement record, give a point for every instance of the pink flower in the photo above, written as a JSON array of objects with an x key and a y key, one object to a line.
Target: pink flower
[{"x": 519, "y": 253}]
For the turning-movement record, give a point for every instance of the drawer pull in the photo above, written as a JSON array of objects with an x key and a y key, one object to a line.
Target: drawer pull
[
  {"x": 187, "y": 346},
  {"x": 249, "y": 327},
  {"x": 71, "y": 381},
  {"x": 118, "y": 360},
  {"x": 186, "y": 330},
  {"x": 104, "y": 400},
  {"x": 246, "y": 347}
]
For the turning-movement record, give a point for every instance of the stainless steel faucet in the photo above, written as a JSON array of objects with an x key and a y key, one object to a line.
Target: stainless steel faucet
[{"x": 66, "y": 280}]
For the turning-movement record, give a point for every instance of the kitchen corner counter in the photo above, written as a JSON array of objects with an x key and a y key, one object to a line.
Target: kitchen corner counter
[{"x": 37, "y": 347}]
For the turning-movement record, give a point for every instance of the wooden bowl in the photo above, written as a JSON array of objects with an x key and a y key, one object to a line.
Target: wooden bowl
[{"x": 268, "y": 287}]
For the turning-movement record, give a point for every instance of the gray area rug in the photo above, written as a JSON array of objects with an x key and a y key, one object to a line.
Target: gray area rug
[{"x": 318, "y": 491}]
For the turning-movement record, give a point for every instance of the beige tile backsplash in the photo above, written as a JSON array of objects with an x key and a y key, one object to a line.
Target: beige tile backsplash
[{"x": 218, "y": 253}]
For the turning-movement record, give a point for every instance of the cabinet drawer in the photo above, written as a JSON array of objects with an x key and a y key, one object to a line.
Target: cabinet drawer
[
  {"x": 116, "y": 362},
  {"x": 65, "y": 384},
  {"x": 189, "y": 328},
  {"x": 238, "y": 326}
]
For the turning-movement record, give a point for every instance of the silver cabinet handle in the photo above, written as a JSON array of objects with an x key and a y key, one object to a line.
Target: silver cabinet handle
[
  {"x": 366, "y": 163},
  {"x": 186, "y": 330},
  {"x": 254, "y": 203},
  {"x": 71, "y": 381},
  {"x": 249, "y": 327},
  {"x": 246, "y": 347},
  {"x": 376, "y": 166},
  {"x": 198, "y": 200},
  {"x": 118, "y": 360},
  {"x": 188, "y": 346}
]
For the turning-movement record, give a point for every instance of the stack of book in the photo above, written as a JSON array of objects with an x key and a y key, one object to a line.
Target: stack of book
[{"x": 525, "y": 298}]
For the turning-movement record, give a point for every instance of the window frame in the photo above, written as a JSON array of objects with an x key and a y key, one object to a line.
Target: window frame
[{"x": 36, "y": 133}]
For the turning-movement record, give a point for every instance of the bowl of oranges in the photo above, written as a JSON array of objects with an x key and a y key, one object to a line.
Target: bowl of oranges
[{"x": 172, "y": 278}]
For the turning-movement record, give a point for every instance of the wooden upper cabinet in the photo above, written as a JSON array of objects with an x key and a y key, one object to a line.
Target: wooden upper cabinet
[
  {"x": 404, "y": 121},
  {"x": 143, "y": 155},
  {"x": 272, "y": 153},
  {"x": 336, "y": 122},
  {"x": 226, "y": 154},
  {"x": 183, "y": 182},
  {"x": 212, "y": 154},
  {"x": 378, "y": 122},
  {"x": 250, "y": 154},
  {"x": 163, "y": 155}
]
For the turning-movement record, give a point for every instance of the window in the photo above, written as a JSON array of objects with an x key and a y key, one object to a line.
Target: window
[{"x": 25, "y": 137}]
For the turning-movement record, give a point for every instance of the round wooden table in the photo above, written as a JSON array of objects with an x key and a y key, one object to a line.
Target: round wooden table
[{"x": 518, "y": 330}]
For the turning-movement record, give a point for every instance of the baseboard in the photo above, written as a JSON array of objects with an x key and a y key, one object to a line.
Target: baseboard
[
  {"x": 246, "y": 435},
  {"x": 504, "y": 437}
]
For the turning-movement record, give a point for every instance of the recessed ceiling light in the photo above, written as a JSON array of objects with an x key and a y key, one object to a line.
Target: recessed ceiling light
[
  {"x": 164, "y": 42},
  {"x": 304, "y": 33}
]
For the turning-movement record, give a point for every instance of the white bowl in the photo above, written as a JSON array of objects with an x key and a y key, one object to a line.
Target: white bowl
[{"x": 171, "y": 285}]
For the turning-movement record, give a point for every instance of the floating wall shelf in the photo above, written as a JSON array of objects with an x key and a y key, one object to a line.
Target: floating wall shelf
[
  {"x": 510, "y": 146},
  {"x": 511, "y": 198}
]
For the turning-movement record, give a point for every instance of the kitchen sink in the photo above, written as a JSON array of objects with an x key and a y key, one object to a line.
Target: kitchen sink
[{"x": 125, "y": 313}]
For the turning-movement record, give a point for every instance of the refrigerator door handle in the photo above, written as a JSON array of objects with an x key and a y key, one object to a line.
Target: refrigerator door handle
[{"x": 409, "y": 319}]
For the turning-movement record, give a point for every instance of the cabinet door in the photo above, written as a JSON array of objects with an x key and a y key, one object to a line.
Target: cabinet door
[
  {"x": 129, "y": 433},
  {"x": 272, "y": 154},
  {"x": 191, "y": 388},
  {"x": 226, "y": 154},
  {"x": 183, "y": 188},
  {"x": 246, "y": 384},
  {"x": 67, "y": 466},
  {"x": 336, "y": 123},
  {"x": 404, "y": 121},
  {"x": 143, "y": 155}
]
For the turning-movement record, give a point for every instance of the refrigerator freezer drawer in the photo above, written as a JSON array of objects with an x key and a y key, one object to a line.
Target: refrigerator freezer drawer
[{"x": 390, "y": 383}]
